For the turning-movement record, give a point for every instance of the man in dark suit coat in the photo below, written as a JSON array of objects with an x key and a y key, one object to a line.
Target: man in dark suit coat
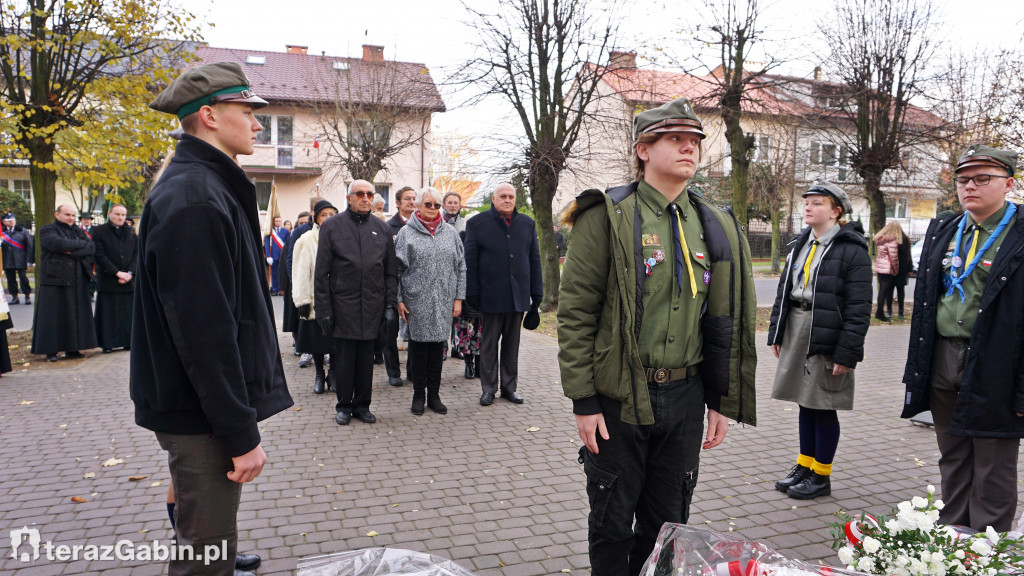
[
  {"x": 503, "y": 281},
  {"x": 406, "y": 200},
  {"x": 273, "y": 247},
  {"x": 116, "y": 260}
]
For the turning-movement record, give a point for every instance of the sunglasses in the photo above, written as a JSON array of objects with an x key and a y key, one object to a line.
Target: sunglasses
[
  {"x": 432, "y": 205},
  {"x": 361, "y": 194}
]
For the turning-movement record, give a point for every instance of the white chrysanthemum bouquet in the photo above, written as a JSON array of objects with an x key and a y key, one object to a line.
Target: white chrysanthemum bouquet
[{"x": 913, "y": 544}]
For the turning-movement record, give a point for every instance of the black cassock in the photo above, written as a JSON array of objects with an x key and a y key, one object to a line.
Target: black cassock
[
  {"x": 63, "y": 315},
  {"x": 115, "y": 252}
]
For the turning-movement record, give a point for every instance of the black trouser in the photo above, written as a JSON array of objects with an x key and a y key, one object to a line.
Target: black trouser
[
  {"x": 504, "y": 327},
  {"x": 426, "y": 357},
  {"x": 885, "y": 286},
  {"x": 206, "y": 502},
  {"x": 391, "y": 362},
  {"x": 901, "y": 287},
  {"x": 352, "y": 364},
  {"x": 642, "y": 472},
  {"x": 12, "y": 281}
]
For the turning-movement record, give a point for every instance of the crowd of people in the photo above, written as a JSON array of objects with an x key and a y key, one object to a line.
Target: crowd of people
[{"x": 655, "y": 319}]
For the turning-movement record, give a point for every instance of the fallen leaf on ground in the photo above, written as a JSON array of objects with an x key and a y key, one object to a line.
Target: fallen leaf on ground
[
  {"x": 371, "y": 534},
  {"x": 78, "y": 499},
  {"x": 112, "y": 462},
  {"x": 155, "y": 484},
  {"x": 89, "y": 475},
  {"x": 297, "y": 408},
  {"x": 502, "y": 564},
  {"x": 566, "y": 571},
  {"x": 62, "y": 426},
  {"x": 136, "y": 478},
  {"x": 26, "y": 402},
  {"x": 533, "y": 429}
]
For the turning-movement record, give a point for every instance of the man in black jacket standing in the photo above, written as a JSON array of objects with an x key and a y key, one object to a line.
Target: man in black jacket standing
[
  {"x": 115, "y": 267},
  {"x": 355, "y": 285},
  {"x": 63, "y": 314},
  {"x": 503, "y": 281},
  {"x": 965, "y": 361},
  {"x": 405, "y": 198},
  {"x": 17, "y": 251},
  {"x": 205, "y": 364}
]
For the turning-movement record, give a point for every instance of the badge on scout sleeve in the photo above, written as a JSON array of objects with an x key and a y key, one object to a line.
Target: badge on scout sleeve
[
  {"x": 707, "y": 277},
  {"x": 651, "y": 240}
]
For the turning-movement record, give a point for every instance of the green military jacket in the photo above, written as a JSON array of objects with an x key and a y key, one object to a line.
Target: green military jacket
[{"x": 600, "y": 309}]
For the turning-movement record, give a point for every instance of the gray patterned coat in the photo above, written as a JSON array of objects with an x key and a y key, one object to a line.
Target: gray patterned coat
[{"x": 432, "y": 275}]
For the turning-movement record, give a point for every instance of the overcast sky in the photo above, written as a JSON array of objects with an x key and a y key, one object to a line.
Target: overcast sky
[{"x": 433, "y": 33}]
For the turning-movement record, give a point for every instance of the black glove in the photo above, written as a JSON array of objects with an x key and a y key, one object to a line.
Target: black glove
[
  {"x": 473, "y": 301},
  {"x": 535, "y": 301},
  {"x": 326, "y": 324},
  {"x": 303, "y": 311}
]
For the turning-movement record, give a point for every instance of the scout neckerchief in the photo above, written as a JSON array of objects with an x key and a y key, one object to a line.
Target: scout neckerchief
[
  {"x": 955, "y": 282},
  {"x": 808, "y": 260},
  {"x": 681, "y": 249},
  {"x": 11, "y": 241}
]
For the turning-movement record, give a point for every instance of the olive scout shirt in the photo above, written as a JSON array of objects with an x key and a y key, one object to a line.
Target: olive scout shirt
[
  {"x": 955, "y": 319},
  {"x": 670, "y": 332}
]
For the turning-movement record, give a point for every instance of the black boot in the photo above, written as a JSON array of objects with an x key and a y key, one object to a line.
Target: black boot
[
  {"x": 795, "y": 476},
  {"x": 469, "y": 366},
  {"x": 419, "y": 396},
  {"x": 813, "y": 486},
  {"x": 476, "y": 366},
  {"x": 434, "y": 399},
  {"x": 15, "y": 300},
  {"x": 318, "y": 382},
  {"x": 330, "y": 380}
]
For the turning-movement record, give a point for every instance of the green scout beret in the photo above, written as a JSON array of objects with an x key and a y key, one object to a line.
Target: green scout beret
[
  {"x": 205, "y": 85},
  {"x": 981, "y": 155},
  {"x": 823, "y": 188},
  {"x": 674, "y": 116}
]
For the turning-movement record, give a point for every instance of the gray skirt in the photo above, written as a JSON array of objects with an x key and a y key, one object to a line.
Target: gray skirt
[{"x": 808, "y": 381}]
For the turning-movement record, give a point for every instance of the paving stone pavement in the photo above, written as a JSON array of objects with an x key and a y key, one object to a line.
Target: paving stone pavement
[{"x": 497, "y": 489}]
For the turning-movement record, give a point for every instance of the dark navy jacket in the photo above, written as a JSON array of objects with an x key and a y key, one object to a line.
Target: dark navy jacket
[{"x": 502, "y": 262}]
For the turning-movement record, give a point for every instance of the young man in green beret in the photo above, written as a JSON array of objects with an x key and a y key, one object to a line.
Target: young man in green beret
[
  {"x": 655, "y": 322},
  {"x": 205, "y": 363},
  {"x": 965, "y": 358}
]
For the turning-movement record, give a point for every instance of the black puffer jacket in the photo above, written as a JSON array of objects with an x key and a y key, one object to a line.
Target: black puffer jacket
[
  {"x": 841, "y": 311},
  {"x": 992, "y": 388}
]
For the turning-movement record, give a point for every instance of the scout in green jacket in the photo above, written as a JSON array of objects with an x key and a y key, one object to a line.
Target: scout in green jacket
[{"x": 655, "y": 321}]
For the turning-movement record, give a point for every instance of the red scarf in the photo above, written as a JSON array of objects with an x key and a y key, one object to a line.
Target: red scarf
[{"x": 430, "y": 226}]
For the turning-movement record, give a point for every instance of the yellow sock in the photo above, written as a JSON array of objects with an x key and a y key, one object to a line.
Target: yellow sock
[
  {"x": 821, "y": 469},
  {"x": 804, "y": 460}
]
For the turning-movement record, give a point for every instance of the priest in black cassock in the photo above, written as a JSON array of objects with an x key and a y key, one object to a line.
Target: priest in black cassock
[
  {"x": 116, "y": 245},
  {"x": 63, "y": 315}
]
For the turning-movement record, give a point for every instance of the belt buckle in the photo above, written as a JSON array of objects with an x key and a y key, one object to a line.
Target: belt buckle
[{"x": 661, "y": 375}]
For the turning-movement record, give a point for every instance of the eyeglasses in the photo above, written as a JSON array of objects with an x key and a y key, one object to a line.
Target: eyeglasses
[
  {"x": 979, "y": 180},
  {"x": 361, "y": 194},
  {"x": 432, "y": 205}
]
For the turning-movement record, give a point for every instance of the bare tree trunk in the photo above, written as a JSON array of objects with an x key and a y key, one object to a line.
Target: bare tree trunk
[
  {"x": 543, "y": 185},
  {"x": 876, "y": 199},
  {"x": 776, "y": 241},
  {"x": 44, "y": 189}
]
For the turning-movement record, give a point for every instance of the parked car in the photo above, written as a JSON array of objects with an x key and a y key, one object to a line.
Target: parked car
[{"x": 915, "y": 255}]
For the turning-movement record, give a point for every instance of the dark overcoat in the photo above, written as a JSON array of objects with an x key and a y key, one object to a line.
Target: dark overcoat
[
  {"x": 356, "y": 274},
  {"x": 14, "y": 257},
  {"x": 290, "y": 316},
  {"x": 116, "y": 251},
  {"x": 205, "y": 357},
  {"x": 502, "y": 263},
  {"x": 992, "y": 389},
  {"x": 62, "y": 320}
]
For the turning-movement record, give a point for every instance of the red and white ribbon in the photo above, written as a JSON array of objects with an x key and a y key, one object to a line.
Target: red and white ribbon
[
  {"x": 853, "y": 528},
  {"x": 744, "y": 567}
]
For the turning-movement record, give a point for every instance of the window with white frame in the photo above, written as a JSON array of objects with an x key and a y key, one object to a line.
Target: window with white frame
[
  {"x": 263, "y": 195},
  {"x": 23, "y": 188},
  {"x": 278, "y": 132},
  {"x": 762, "y": 148},
  {"x": 824, "y": 153},
  {"x": 897, "y": 208}
]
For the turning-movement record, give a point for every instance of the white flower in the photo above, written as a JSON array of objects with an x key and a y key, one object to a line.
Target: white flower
[
  {"x": 871, "y": 545},
  {"x": 904, "y": 506},
  {"x": 931, "y": 489},
  {"x": 938, "y": 505},
  {"x": 933, "y": 514},
  {"x": 992, "y": 535},
  {"x": 924, "y": 523},
  {"x": 981, "y": 547},
  {"x": 893, "y": 526},
  {"x": 919, "y": 502},
  {"x": 866, "y": 564},
  {"x": 846, "y": 555},
  {"x": 959, "y": 554}
]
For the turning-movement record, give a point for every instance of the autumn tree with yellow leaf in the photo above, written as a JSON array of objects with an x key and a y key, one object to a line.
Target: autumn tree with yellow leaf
[{"x": 75, "y": 80}]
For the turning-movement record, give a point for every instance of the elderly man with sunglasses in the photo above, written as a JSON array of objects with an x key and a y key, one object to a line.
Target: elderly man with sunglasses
[
  {"x": 355, "y": 285},
  {"x": 964, "y": 362}
]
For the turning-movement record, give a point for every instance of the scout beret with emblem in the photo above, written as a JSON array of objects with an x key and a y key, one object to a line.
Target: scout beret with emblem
[
  {"x": 982, "y": 155},
  {"x": 8, "y": 216},
  {"x": 206, "y": 85},
  {"x": 674, "y": 116},
  {"x": 823, "y": 188}
]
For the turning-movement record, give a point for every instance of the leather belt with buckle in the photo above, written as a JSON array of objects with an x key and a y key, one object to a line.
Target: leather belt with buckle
[
  {"x": 961, "y": 342},
  {"x": 662, "y": 375},
  {"x": 801, "y": 304}
]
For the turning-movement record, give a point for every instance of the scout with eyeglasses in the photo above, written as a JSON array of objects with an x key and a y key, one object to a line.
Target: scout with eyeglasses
[{"x": 966, "y": 342}]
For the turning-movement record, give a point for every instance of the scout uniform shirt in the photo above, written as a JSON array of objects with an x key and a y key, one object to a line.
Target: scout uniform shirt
[
  {"x": 804, "y": 291},
  {"x": 955, "y": 319},
  {"x": 670, "y": 334}
]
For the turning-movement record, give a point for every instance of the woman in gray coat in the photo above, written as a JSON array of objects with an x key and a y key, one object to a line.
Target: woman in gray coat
[{"x": 431, "y": 287}]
